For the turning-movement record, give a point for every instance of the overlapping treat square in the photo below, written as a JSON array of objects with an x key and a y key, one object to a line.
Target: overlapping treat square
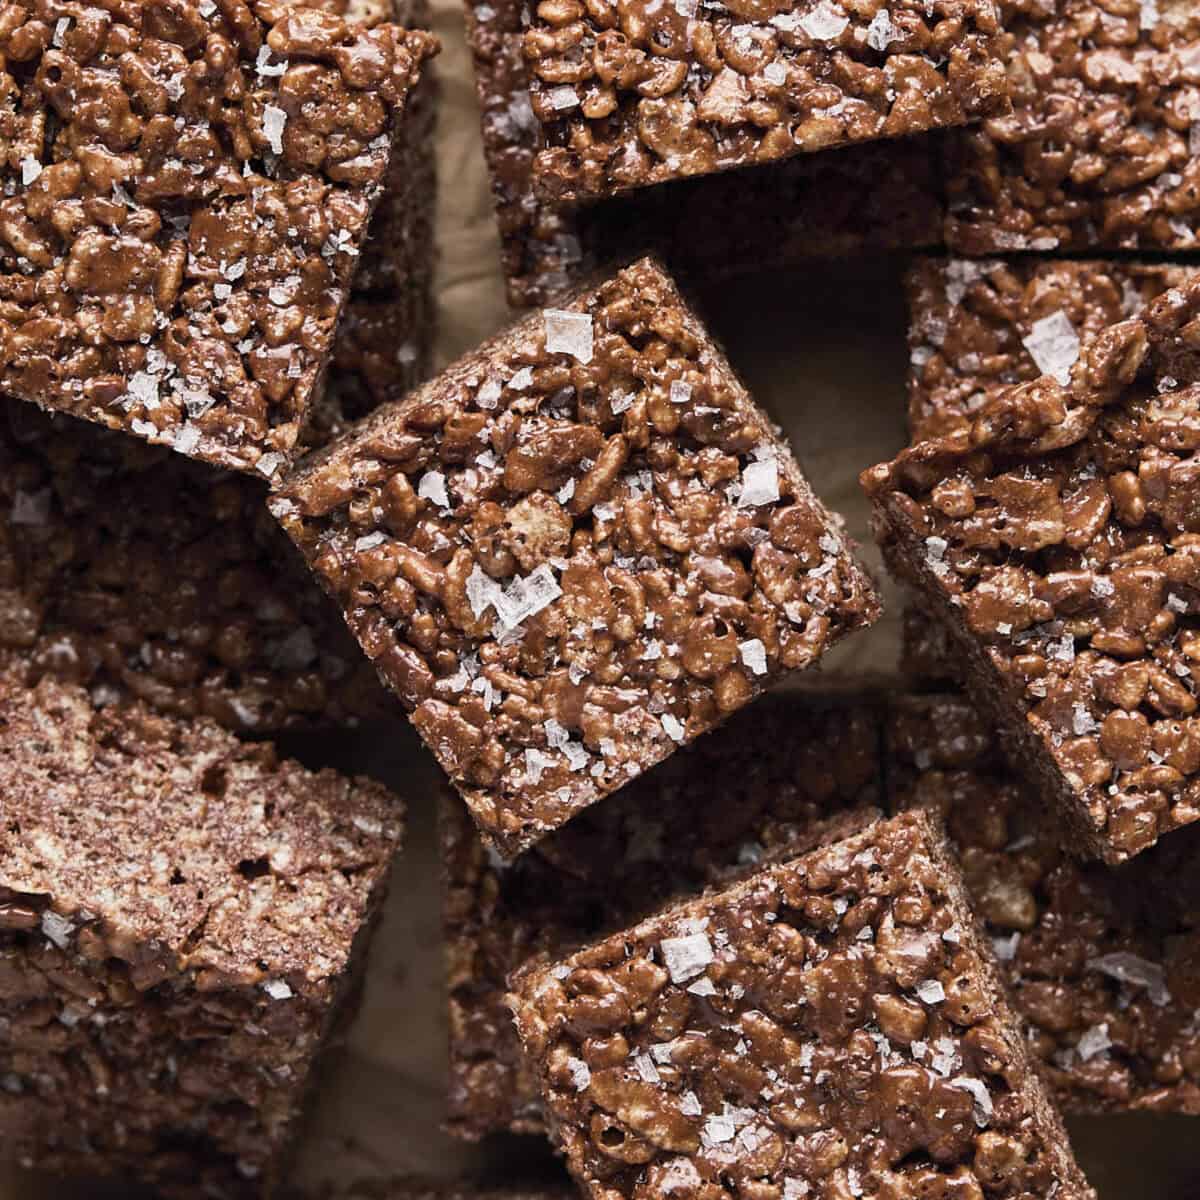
[
  {"x": 187, "y": 194},
  {"x": 830, "y": 1027},
  {"x": 182, "y": 921},
  {"x": 639, "y": 94},
  {"x": 1058, "y": 541},
  {"x": 579, "y": 548}
]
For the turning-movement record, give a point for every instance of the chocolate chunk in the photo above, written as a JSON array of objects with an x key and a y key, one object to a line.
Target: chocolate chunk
[
  {"x": 580, "y": 547},
  {"x": 732, "y": 799},
  {"x": 832, "y": 1026},
  {"x": 655, "y": 92},
  {"x": 182, "y": 918},
  {"x": 188, "y": 194},
  {"x": 1057, "y": 540},
  {"x": 1100, "y": 150}
]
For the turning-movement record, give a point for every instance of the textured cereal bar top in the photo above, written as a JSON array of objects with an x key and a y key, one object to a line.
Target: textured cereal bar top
[
  {"x": 181, "y": 918},
  {"x": 976, "y": 326},
  {"x": 188, "y": 187},
  {"x": 869, "y": 197},
  {"x": 579, "y": 548},
  {"x": 1103, "y": 965},
  {"x": 1100, "y": 150},
  {"x": 138, "y": 573},
  {"x": 758, "y": 783},
  {"x": 1058, "y": 540},
  {"x": 831, "y": 1027},
  {"x": 647, "y": 92}
]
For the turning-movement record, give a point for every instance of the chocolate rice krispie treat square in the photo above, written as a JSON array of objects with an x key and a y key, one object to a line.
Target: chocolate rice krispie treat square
[
  {"x": 833, "y": 1026},
  {"x": 1103, "y": 964},
  {"x": 1057, "y": 540},
  {"x": 976, "y": 326},
  {"x": 579, "y": 548},
  {"x": 189, "y": 189},
  {"x": 1100, "y": 150},
  {"x": 759, "y": 783},
  {"x": 407, "y": 1189},
  {"x": 182, "y": 919},
  {"x": 871, "y": 197},
  {"x": 384, "y": 343},
  {"x": 135, "y": 572},
  {"x": 655, "y": 92}
]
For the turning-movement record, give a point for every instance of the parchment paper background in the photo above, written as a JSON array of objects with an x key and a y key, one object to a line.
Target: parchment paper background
[{"x": 823, "y": 350}]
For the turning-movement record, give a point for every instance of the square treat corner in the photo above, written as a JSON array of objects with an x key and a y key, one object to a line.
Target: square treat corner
[
  {"x": 183, "y": 919},
  {"x": 652, "y": 93},
  {"x": 579, "y": 548},
  {"x": 1056, "y": 537},
  {"x": 1100, "y": 963},
  {"x": 188, "y": 189},
  {"x": 831, "y": 1027},
  {"x": 762, "y": 782}
]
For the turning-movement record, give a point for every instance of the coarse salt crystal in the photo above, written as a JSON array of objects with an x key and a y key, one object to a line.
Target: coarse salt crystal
[
  {"x": 562, "y": 98},
  {"x": 263, "y": 65},
  {"x": 489, "y": 394},
  {"x": 580, "y": 1072},
  {"x": 881, "y": 32},
  {"x": 277, "y": 989},
  {"x": 646, "y": 1069},
  {"x": 30, "y": 169},
  {"x": 1053, "y": 345},
  {"x": 760, "y": 484},
  {"x": 754, "y": 655},
  {"x": 680, "y": 392},
  {"x": 1093, "y": 1041},
  {"x": 1135, "y": 971},
  {"x": 522, "y": 379},
  {"x": 569, "y": 333},
  {"x": 680, "y": 1174},
  {"x": 825, "y": 22},
  {"x": 673, "y": 727},
  {"x": 1005, "y": 948},
  {"x": 58, "y": 929},
  {"x": 369, "y": 541},
  {"x": 268, "y": 464},
  {"x": 433, "y": 487},
  {"x": 686, "y": 957},
  {"x": 274, "y": 120},
  {"x": 931, "y": 991},
  {"x": 702, "y": 987},
  {"x": 1148, "y": 16},
  {"x": 775, "y": 73}
]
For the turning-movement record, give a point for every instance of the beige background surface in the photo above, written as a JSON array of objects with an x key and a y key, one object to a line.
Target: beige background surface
[{"x": 823, "y": 350}]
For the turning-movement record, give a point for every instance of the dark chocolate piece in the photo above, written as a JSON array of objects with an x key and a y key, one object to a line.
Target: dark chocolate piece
[
  {"x": 871, "y": 197},
  {"x": 1104, "y": 965},
  {"x": 137, "y": 573},
  {"x": 1100, "y": 150}
]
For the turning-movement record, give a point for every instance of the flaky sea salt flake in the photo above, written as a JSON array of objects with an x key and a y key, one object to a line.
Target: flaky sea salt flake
[
  {"x": 760, "y": 484},
  {"x": 274, "y": 120},
  {"x": 569, "y": 333},
  {"x": 1054, "y": 346},
  {"x": 754, "y": 655},
  {"x": 825, "y": 22},
  {"x": 686, "y": 957}
]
